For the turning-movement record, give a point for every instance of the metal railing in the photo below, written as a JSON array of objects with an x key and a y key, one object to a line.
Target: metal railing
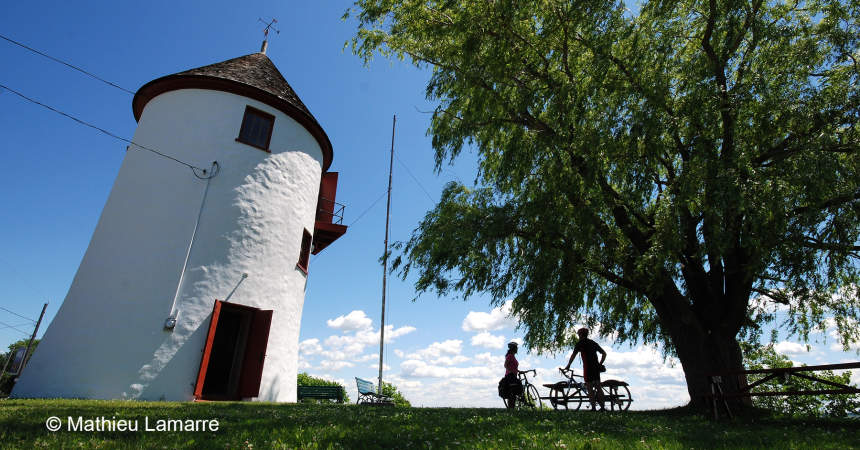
[{"x": 330, "y": 211}]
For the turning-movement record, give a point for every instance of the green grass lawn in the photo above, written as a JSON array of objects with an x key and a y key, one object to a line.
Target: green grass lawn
[{"x": 265, "y": 425}]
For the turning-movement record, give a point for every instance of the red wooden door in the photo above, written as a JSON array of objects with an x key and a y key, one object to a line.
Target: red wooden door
[
  {"x": 207, "y": 350},
  {"x": 325, "y": 202},
  {"x": 255, "y": 354}
]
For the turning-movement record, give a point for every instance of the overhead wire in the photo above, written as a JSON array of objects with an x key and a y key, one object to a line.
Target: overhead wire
[
  {"x": 65, "y": 64},
  {"x": 14, "y": 328},
  {"x": 355, "y": 221},
  {"x": 16, "y": 314},
  {"x": 430, "y": 197},
  {"x": 381, "y": 196},
  {"x": 193, "y": 168}
]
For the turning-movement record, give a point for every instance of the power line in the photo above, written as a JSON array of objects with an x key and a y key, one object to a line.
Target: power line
[
  {"x": 66, "y": 64},
  {"x": 14, "y": 313},
  {"x": 413, "y": 177},
  {"x": 14, "y": 328},
  {"x": 368, "y": 209},
  {"x": 87, "y": 124},
  {"x": 356, "y": 219}
]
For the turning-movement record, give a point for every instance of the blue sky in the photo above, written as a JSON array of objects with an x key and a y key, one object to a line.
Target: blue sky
[{"x": 57, "y": 176}]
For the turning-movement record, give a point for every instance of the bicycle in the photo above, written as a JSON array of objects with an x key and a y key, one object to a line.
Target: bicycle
[
  {"x": 573, "y": 394},
  {"x": 528, "y": 397}
]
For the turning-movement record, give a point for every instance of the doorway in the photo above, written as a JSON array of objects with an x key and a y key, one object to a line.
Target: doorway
[{"x": 232, "y": 364}]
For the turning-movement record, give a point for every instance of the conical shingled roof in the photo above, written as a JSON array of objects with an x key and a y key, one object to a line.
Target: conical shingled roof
[
  {"x": 253, "y": 76},
  {"x": 255, "y": 70}
]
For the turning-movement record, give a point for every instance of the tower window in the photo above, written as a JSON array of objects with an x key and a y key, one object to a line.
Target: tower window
[
  {"x": 305, "y": 253},
  {"x": 256, "y": 128}
]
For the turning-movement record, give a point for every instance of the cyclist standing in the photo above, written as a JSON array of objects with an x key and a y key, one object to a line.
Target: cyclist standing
[
  {"x": 590, "y": 365},
  {"x": 511, "y": 371}
]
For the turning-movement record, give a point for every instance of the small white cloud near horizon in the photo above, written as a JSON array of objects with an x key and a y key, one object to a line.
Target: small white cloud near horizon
[
  {"x": 450, "y": 347},
  {"x": 367, "y": 357},
  {"x": 790, "y": 348},
  {"x": 355, "y": 320},
  {"x": 496, "y": 319},
  {"x": 358, "y": 333},
  {"x": 419, "y": 369},
  {"x": 310, "y": 347},
  {"x": 487, "y": 340},
  {"x": 334, "y": 365}
]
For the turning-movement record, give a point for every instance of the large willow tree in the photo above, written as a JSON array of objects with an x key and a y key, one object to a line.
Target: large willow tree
[{"x": 662, "y": 172}]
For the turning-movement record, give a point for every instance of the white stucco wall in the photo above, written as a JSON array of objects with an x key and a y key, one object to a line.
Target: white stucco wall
[{"x": 107, "y": 340}]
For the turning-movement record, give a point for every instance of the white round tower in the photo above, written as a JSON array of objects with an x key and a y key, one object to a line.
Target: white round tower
[{"x": 193, "y": 283}]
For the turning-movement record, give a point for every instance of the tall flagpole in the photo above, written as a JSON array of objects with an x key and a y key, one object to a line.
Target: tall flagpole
[{"x": 385, "y": 255}]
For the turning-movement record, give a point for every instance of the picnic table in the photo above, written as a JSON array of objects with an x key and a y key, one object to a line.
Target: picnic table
[{"x": 718, "y": 397}]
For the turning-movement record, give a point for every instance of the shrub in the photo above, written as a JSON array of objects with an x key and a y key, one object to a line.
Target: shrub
[
  {"x": 303, "y": 379},
  {"x": 391, "y": 391}
]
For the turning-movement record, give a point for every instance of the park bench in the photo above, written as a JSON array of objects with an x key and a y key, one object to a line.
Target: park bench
[
  {"x": 321, "y": 393},
  {"x": 369, "y": 395},
  {"x": 718, "y": 397}
]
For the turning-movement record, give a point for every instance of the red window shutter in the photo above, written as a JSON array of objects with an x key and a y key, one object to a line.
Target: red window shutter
[
  {"x": 305, "y": 251},
  {"x": 207, "y": 350},
  {"x": 255, "y": 354}
]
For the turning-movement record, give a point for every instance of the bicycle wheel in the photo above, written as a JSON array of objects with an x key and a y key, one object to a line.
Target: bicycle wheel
[
  {"x": 619, "y": 397},
  {"x": 531, "y": 398},
  {"x": 579, "y": 397}
]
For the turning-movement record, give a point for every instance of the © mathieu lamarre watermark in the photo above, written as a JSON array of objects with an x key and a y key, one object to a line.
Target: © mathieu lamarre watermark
[{"x": 102, "y": 423}]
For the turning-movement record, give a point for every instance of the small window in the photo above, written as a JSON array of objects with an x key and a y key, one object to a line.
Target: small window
[
  {"x": 256, "y": 128},
  {"x": 305, "y": 253}
]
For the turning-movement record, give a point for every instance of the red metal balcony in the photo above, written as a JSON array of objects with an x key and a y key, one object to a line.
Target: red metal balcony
[{"x": 329, "y": 220}]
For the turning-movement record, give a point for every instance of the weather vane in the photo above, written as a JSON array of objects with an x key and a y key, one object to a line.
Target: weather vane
[{"x": 269, "y": 25}]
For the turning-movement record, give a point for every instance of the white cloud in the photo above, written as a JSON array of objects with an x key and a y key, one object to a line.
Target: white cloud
[
  {"x": 837, "y": 347},
  {"x": 334, "y": 365},
  {"x": 766, "y": 304},
  {"x": 355, "y": 343},
  {"x": 489, "y": 359},
  {"x": 790, "y": 348},
  {"x": 451, "y": 347},
  {"x": 833, "y": 333},
  {"x": 496, "y": 319},
  {"x": 367, "y": 357},
  {"x": 416, "y": 368},
  {"x": 355, "y": 320},
  {"x": 310, "y": 347},
  {"x": 487, "y": 340},
  {"x": 449, "y": 360},
  {"x": 348, "y": 343}
]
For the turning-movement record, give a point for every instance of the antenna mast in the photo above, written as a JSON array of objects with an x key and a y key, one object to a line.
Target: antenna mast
[{"x": 385, "y": 255}]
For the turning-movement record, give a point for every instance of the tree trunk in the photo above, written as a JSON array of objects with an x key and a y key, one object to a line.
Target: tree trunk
[{"x": 703, "y": 353}]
